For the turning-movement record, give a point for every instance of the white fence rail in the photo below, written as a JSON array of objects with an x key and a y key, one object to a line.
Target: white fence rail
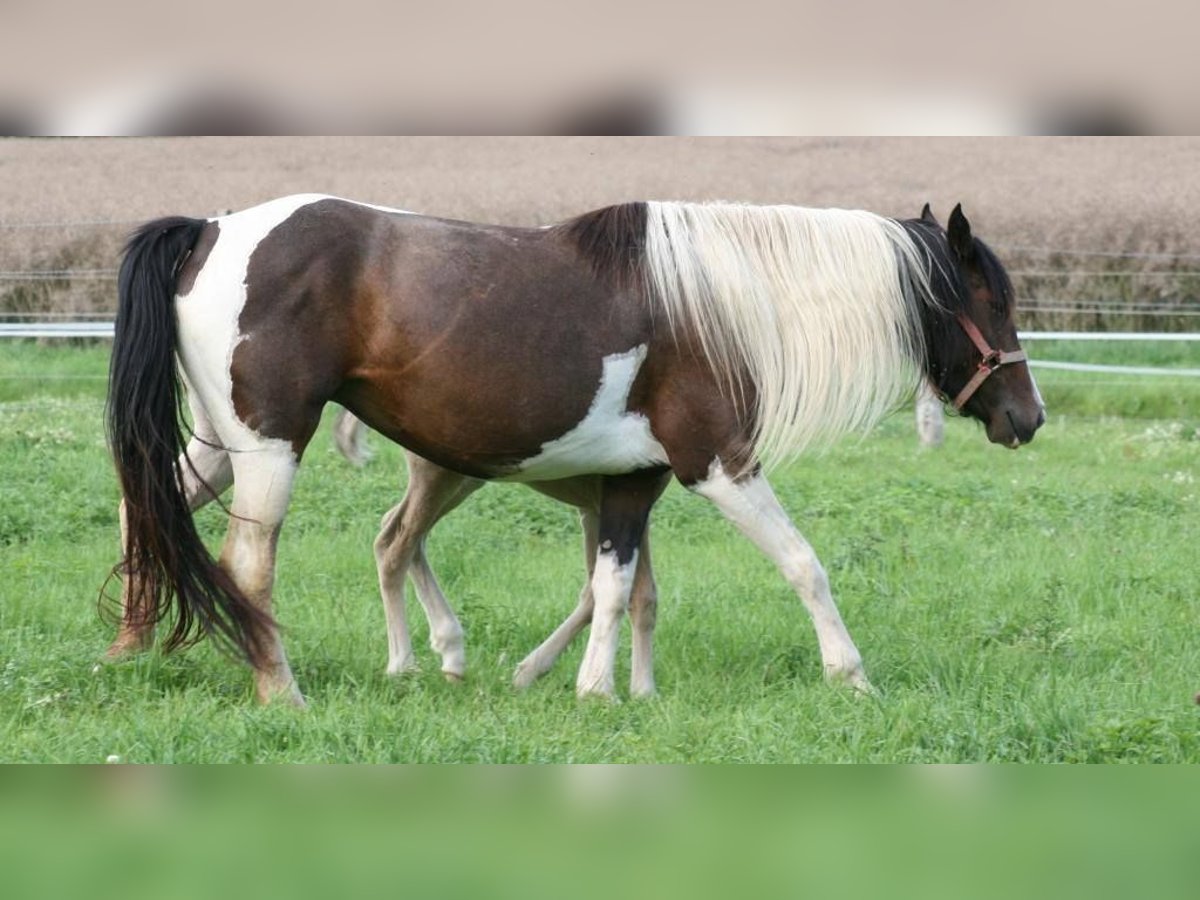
[
  {"x": 105, "y": 330},
  {"x": 1113, "y": 370},
  {"x": 56, "y": 329}
]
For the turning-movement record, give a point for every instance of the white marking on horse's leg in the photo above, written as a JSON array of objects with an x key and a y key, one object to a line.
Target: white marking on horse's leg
[
  {"x": 751, "y": 505},
  {"x": 540, "y": 661},
  {"x": 643, "y": 613},
  {"x": 931, "y": 424},
  {"x": 611, "y": 585},
  {"x": 445, "y": 631},
  {"x": 262, "y": 487}
]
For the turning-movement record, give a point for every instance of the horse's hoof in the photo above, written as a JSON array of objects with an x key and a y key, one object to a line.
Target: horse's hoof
[
  {"x": 270, "y": 691},
  {"x": 525, "y": 675},
  {"x": 404, "y": 667},
  {"x": 125, "y": 647},
  {"x": 453, "y": 677},
  {"x": 292, "y": 698},
  {"x": 854, "y": 678},
  {"x": 864, "y": 688},
  {"x": 597, "y": 692}
]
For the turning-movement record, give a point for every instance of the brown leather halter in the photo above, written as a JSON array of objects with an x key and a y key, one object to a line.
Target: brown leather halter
[{"x": 992, "y": 360}]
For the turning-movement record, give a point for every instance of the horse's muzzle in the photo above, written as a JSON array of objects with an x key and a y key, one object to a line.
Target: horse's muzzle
[{"x": 1012, "y": 428}]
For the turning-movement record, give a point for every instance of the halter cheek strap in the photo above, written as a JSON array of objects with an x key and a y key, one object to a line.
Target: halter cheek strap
[{"x": 992, "y": 360}]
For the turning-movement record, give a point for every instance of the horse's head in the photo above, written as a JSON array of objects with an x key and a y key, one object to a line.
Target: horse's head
[{"x": 973, "y": 357}]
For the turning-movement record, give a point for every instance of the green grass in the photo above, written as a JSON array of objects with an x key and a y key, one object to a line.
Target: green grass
[{"x": 1039, "y": 605}]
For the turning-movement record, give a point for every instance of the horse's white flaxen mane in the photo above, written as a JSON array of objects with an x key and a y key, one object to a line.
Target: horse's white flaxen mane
[{"x": 818, "y": 308}]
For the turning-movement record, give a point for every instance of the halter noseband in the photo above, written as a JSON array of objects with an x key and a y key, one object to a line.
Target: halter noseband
[{"x": 992, "y": 360}]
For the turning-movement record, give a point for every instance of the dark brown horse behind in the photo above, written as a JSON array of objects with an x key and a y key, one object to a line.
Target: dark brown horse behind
[{"x": 626, "y": 344}]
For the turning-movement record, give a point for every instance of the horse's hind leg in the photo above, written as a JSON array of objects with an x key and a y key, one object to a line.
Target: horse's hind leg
[
  {"x": 432, "y": 492},
  {"x": 209, "y": 474},
  {"x": 751, "y": 505},
  {"x": 263, "y": 478}
]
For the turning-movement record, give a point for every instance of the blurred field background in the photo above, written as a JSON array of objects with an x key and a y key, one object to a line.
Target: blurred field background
[
  {"x": 1036, "y": 606},
  {"x": 1131, "y": 206}
]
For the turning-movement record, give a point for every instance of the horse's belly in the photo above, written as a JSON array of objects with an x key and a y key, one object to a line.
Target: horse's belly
[
  {"x": 609, "y": 440},
  {"x": 597, "y": 446}
]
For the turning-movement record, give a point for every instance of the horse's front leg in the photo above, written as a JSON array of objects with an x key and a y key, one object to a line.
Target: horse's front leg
[{"x": 750, "y": 504}]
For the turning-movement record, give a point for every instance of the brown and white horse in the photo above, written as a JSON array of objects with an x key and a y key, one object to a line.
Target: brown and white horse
[{"x": 700, "y": 340}]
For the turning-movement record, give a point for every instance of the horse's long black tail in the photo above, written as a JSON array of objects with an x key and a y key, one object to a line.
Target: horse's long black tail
[{"x": 164, "y": 555}]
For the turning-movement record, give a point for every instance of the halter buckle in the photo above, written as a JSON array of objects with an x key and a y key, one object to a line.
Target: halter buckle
[{"x": 992, "y": 360}]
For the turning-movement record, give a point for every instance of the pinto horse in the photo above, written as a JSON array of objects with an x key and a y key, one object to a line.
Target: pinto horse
[{"x": 708, "y": 341}]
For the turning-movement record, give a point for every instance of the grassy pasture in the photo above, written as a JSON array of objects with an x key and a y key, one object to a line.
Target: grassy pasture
[{"x": 1039, "y": 605}]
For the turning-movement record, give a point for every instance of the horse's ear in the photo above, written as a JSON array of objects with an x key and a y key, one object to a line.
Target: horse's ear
[
  {"x": 959, "y": 234},
  {"x": 927, "y": 215}
]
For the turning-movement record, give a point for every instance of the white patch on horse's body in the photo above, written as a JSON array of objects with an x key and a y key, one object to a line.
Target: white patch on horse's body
[
  {"x": 208, "y": 316},
  {"x": 751, "y": 505},
  {"x": 209, "y": 313},
  {"x": 609, "y": 440}
]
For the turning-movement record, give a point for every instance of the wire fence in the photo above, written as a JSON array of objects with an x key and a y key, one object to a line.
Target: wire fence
[
  {"x": 85, "y": 223},
  {"x": 1095, "y": 315},
  {"x": 1040, "y": 250}
]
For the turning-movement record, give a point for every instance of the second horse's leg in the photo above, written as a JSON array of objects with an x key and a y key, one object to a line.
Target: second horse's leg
[
  {"x": 539, "y": 662},
  {"x": 432, "y": 492}
]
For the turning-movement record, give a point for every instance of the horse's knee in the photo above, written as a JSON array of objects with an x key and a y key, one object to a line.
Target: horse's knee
[{"x": 801, "y": 568}]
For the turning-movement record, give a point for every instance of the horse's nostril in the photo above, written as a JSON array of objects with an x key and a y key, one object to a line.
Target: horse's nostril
[{"x": 1041, "y": 419}]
